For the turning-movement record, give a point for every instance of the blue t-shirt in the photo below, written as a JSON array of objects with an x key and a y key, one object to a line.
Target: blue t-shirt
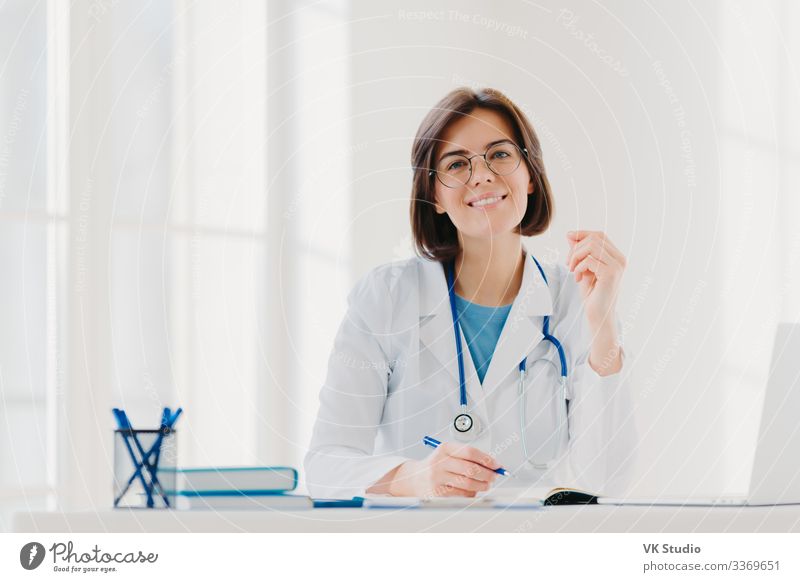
[{"x": 482, "y": 326}]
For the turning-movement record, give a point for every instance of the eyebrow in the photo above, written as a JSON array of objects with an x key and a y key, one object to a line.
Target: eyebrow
[{"x": 488, "y": 145}]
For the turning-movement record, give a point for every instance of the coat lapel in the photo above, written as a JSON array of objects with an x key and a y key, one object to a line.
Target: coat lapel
[
  {"x": 437, "y": 335},
  {"x": 523, "y": 328},
  {"x": 435, "y": 319}
]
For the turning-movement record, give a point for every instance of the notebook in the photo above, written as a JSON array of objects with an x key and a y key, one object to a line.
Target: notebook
[
  {"x": 506, "y": 497},
  {"x": 260, "y": 480}
]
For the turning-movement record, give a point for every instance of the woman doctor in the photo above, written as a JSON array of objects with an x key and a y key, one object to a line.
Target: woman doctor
[{"x": 537, "y": 385}]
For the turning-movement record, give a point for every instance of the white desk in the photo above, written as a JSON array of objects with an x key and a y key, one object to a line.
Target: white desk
[{"x": 592, "y": 518}]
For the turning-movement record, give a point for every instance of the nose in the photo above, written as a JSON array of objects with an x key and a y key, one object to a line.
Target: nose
[{"x": 481, "y": 171}]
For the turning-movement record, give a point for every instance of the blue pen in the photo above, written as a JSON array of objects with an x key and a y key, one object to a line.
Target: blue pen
[
  {"x": 126, "y": 429},
  {"x": 432, "y": 442}
]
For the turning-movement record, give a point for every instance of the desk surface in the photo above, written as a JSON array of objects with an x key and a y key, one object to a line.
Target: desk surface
[{"x": 583, "y": 519}]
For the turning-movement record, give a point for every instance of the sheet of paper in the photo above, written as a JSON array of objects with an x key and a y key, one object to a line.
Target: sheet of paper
[{"x": 517, "y": 492}]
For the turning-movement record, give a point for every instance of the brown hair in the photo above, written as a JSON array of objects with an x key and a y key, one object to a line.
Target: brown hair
[{"x": 435, "y": 235}]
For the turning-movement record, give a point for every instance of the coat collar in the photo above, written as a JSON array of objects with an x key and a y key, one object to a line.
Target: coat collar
[
  {"x": 521, "y": 332},
  {"x": 534, "y": 297}
]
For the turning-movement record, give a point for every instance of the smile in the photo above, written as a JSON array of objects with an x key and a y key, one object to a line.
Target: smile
[{"x": 487, "y": 203}]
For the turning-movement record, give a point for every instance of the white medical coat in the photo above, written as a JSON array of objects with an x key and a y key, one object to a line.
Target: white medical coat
[{"x": 393, "y": 378}]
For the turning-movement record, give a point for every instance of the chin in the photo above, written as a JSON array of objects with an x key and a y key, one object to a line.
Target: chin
[
  {"x": 488, "y": 227},
  {"x": 494, "y": 232}
]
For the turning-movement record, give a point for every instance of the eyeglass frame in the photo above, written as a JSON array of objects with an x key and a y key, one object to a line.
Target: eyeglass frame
[{"x": 431, "y": 173}]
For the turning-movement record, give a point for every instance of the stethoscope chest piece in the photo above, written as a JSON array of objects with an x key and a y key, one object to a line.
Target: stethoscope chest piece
[
  {"x": 463, "y": 423},
  {"x": 465, "y": 427}
]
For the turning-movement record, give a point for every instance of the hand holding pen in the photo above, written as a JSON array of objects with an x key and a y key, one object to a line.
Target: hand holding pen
[
  {"x": 452, "y": 470},
  {"x": 490, "y": 462},
  {"x": 459, "y": 470}
]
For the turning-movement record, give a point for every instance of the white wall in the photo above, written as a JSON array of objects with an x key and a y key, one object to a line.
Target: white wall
[{"x": 665, "y": 124}]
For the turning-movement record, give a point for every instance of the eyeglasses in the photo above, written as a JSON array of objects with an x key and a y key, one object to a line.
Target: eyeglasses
[{"x": 455, "y": 170}]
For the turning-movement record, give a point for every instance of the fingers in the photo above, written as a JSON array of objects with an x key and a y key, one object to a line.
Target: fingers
[
  {"x": 458, "y": 480},
  {"x": 576, "y": 236},
  {"x": 590, "y": 280},
  {"x": 593, "y": 245},
  {"x": 467, "y": 484},
  {"x": 586, "y": 248},
  {"x": 579, "y": 235},
  {"x": 470, "y": 454},
  {"x": 588, "y": 274},
  {"x": 600, "y": 244},
  {"x": 461, "y": 470},
  {"x": 592, "y": 264},
  {"x": 597, "y": 248},
  {"x": 469, "y": 470}
]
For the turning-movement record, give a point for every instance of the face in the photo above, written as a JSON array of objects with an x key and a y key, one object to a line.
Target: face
[{"x": 473, "y": 134}]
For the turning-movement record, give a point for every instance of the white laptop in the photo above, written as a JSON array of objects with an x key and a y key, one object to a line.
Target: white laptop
[{"x": 775, "y": 479}]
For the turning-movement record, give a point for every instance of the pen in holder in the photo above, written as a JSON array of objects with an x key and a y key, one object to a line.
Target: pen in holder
[{"x": 140, "y": 456}]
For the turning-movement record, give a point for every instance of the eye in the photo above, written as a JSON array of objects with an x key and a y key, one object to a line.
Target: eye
[
  {"x": 456, "y": 165},
  {"x": 500, "y": 155}
]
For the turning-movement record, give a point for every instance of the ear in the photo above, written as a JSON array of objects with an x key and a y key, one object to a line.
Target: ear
[
  {"x": 530, "y": 187},
  {"x": 438, "y": 207}
]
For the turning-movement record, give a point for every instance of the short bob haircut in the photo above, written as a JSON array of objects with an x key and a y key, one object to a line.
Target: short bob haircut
[{"x": 435, "y": 236}]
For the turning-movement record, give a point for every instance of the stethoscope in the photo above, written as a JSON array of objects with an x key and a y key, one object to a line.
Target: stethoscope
[{"x": 465, "y": 426}]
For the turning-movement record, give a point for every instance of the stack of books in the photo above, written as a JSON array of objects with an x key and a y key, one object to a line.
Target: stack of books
[{"x": 224, "y": 488}]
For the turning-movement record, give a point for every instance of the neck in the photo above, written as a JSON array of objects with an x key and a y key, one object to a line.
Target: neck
[{"x": 489, "y": 271}]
